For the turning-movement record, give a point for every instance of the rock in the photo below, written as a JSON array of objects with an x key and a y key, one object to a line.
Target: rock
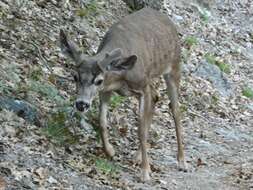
[
  {"x": 21, "y": 108},
  {"x": 86, "y": 126},
  {"x": 178, "y": 18},
  {"x": 52, "y": 180},
  {"x": 250, "y": 106},
  {"x": 10, "y": 130},
  {"x": 212, "y": 73},
  {"x": 139, "y": 4},
  {"x": 41, "y": 172}
]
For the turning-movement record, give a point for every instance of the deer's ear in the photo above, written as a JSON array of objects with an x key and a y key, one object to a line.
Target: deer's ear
[
  {"x": 68, "y": 47},
  {"x": 122, "y": 64}
]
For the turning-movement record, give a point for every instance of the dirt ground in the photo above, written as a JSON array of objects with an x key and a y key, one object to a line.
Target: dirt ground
[{"x": 215, "y": 101}]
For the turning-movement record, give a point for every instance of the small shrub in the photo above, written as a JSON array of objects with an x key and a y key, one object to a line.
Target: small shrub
[
  {"x": 247, "y": 92},
  {"x": 224, "y": 67},
  {"x": 57, "y": 131},
  {"x": 204, "y": 15},
  {"x": 210, "y": 58},
  {"x": 183, "y": 108},
  {"x": 36, "y": 74},
  {"x": 215, "y": 100},
  {"x": 46, "y": 89},
  {"x": 4, "y": 88}
]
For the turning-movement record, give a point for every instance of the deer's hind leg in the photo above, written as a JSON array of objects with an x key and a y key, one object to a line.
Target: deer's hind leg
[{"x": 172, "y": 89}]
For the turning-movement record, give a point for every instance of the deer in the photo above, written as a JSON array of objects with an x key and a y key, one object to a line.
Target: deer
[{"x": 134, "y": 51}]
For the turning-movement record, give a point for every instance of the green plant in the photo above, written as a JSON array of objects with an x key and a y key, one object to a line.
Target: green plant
[
  {"x": 116, "y": 100},
  {"x": 57, "y": 131},
  {"x": 215, "y": 99},
  {"x": 204, "y": 15},
  {"x": 92, "y": 116},
  {"x": 183, "y": 108},
  {"x": 248, "y": 92},
  {"x": 36, "y": 74},
  {"x": 4, "y": 88},
  {"x": 90, "y": 9},
  {"x": 106, "y": 166},
  {"x": 46, "y": 89},
  {"x": 210, "y": 58},
  {"x": 224, "y": 67},
  {"x": 191, "y": 41}
]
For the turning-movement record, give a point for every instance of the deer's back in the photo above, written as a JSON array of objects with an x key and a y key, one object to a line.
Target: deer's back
[{"x": 152, "y": 37}]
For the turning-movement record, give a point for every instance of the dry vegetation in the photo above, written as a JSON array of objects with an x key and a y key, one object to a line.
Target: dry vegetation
[{"x": 44, "y": 144}]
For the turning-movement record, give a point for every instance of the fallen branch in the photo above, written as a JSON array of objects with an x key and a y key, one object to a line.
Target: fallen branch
[{"x": 45, "y": 61}]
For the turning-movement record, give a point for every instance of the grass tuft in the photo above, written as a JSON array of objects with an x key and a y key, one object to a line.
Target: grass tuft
[
  {"x": 57, "y": 131},
  {"x": 116, "y": 100},
  {"x": 106, "y": 167},
  {"x": 224, "y": 67},
  {"x": 90, "y": 9},
  {"x": 191, "y": 41},
  {"x": 247, "y": 92}
]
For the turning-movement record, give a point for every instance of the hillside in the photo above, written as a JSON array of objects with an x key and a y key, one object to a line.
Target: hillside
[{"x": 45, "y": 144}]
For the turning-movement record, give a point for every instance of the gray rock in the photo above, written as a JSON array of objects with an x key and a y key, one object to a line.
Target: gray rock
[
  {"x": 212, "y": 73},
  {"x": 21, "y": 108},
  {"x": 178, "y": 18},
  {"x": 139, "y": 4},
  {"x": 250, "y": 106}
]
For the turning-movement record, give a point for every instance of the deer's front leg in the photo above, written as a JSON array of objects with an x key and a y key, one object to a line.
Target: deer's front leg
[
  {"x": 146, "y": 111},
  {"x": 104, "y": 99}
]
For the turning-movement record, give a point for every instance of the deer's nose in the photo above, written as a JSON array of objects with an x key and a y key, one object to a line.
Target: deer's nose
[{"x": 82, "y": 106}]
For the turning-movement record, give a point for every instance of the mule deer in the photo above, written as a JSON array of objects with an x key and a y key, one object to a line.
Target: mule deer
[{"x": 138, "y": 48}]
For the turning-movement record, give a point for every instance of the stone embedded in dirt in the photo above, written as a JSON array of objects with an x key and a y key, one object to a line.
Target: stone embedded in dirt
[
  {"x": 139, "y": 4},
  {"x": 40, "y": 172},
  {"x": 51, "y": 180},
  {"x": 215, "y": 128},
  {"x": 212, "y": 73},
  {"x": 21, "y": 108},
  {"x": 250, "y": 106}
]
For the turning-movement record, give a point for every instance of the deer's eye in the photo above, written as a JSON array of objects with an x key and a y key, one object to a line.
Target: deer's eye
[{"x": 98, "y": 82}]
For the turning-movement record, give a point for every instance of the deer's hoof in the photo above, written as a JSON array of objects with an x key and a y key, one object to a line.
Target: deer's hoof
[
  {"x": 109, "y": 150},
  {"x": 145, "y": 175},
  {"x": 182, "y": 166}
]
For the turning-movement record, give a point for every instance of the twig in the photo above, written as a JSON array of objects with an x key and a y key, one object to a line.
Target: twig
[
  {"x": 198, "y": 115},
  {"x": 40, "y": 54},
  {"x": 45, "y": 60}
]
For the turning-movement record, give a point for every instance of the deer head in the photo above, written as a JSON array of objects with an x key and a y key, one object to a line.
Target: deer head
[{"x": 90, "y": 73}]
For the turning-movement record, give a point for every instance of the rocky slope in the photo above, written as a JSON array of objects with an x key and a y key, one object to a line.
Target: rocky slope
[{"x": 44, "y": 146}]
